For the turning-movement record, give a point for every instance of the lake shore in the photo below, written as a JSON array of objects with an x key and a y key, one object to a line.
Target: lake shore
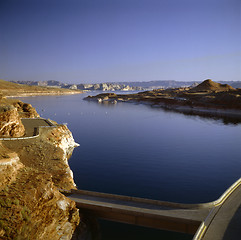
[
  {"x": 207, "y": 98},
  {"x": 9, "y": 89},
  {"x": 43, "y": 94}
]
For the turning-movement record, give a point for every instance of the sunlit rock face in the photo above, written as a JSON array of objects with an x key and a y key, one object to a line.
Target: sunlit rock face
[
  {"x": 32, "y": 172},
  {"x": 25, "y": 109},
  {"x": 11, "y": 112},
  {"x": 62, "y": 139},
  {"x": 10, "y": 122},
  {"x": 33, "y": 208},
  {"x": 9, "y": 166}
]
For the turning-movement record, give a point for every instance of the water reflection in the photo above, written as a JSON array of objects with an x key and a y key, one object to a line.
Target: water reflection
[
  {"x": 226, "y": 120},
  {"x": 217, "y": 117}
]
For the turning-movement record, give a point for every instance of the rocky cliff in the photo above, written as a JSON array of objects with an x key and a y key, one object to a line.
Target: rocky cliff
[
  {"x": 32, "y": 173},
  {"x": 10, "y": 123},
  {"x": 11, "y": 112}
]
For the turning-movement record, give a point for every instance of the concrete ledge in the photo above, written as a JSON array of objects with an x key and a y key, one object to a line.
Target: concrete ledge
[
  {"x": 228, "y": 192},
  {"x": 187, "y": 218},
  {"x": 142, "y": 218},
  {"x": 217, "y": 205},
  {"x": 37, "y": 130},
  {"x": 145, "y": 200},
  {"x": 170, "y": 216}
]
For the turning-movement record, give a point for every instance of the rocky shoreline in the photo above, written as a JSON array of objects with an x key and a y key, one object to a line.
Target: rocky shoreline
[
  {"x": 206, "y": 98},
  {"x": 41, "y": 94},
  {"x": 32, "y": 173}
]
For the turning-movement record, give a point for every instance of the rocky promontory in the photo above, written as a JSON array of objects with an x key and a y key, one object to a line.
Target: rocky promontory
[
  {"x": 207, "y": 96},
  {"x": 11, "y": 112},
  {"x": 33, "y": 171}
]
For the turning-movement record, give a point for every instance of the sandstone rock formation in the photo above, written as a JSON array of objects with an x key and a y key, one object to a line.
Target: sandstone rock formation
[
  {"x": 10, "y": 122},
  {"x": 215, "y": 98},
  {"x": 11, "y": 112},
  {"x": 25, "y": 109},
  {"x": 9, "y": 166},
  {"x": 33, "y": 208},
  {"x": 60, "y": 138},
  {"x": 32, "y": 173}
]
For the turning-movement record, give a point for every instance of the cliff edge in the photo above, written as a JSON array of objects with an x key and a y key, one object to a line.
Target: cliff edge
[{"x": 33, "y": 170}]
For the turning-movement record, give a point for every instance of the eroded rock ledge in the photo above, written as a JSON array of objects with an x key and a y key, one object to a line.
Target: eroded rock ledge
[
  {"x": 11, "y": 112},
  {"x": 32, "y": 173}
]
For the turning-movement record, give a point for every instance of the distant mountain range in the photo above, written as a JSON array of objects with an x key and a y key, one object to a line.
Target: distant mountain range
[
  {"x": 124, "y": 86},
  {"x": 89, "y": 86},
  {"x": 160, "y": 84}
]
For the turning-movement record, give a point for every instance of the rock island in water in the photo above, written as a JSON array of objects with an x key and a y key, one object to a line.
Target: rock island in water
[{"x": 207, "y": 97}]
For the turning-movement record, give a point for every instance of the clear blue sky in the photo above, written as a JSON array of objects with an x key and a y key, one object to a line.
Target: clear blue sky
[{"x": 81, "y": 41}]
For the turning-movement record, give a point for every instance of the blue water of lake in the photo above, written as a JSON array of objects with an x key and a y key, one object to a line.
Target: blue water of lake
[{"x": 147, "y": 152}]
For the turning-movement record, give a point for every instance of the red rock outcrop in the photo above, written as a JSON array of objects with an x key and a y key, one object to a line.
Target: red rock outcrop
[
  {"x": 32, "y": 172},
  {"x": 25, "y": 109},
  {"x": 10, "y": 122}
]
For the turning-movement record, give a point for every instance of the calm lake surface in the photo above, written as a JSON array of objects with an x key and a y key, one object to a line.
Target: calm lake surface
[{"x": 146, "y": 152}]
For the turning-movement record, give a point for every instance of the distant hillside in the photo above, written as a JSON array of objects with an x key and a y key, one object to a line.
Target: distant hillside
[
  {"x": 160, "y": 84},
  {"x": 89, "y": 86},
  {"x": 14, "y": 89},
  {"x": 175, "y": 84},
  {"x": 234, "y": 84},
  {"x": 209, "y": 85},
  {"x": 111, "y": 86},
  {"x": 49, "y": 83}
]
